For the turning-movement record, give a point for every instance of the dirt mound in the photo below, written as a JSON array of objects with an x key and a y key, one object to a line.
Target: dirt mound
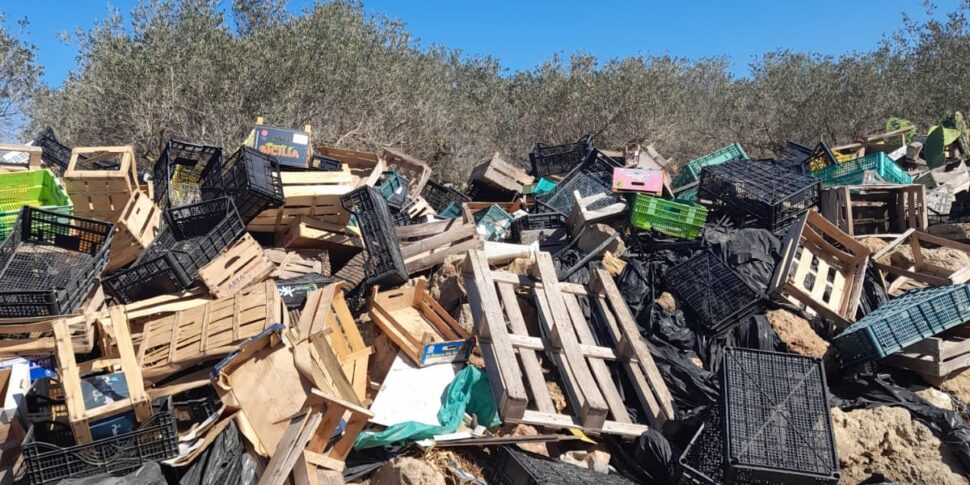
[
  {"x": 887, "y": 440},
  {"x": 946, "y": 258},
  {"x": 797, "y": 334},
  {"x": 873, "y": 244}
]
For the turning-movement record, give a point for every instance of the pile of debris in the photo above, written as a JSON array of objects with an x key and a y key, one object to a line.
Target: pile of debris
[{"x": 293, "y": 312}]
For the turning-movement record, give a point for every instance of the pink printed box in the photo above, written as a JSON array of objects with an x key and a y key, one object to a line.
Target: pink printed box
[{"x": 646, "y": 180}]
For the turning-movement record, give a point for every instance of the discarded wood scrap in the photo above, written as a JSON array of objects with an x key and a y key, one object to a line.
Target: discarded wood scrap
[
  {"x": 922, "y": 263},
  {"x": 580, "y": 361},
  {"x": 424, "y": 246},
  {"x": 875, "y": 209},
  {"x": 936, "y": 358}
]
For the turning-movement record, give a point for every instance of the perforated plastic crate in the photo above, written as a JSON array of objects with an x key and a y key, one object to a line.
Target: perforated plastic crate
[
  {"x": 177, "y": 174},
  {"x": 711, "y": 289},
  {"x": 692, "y": 170},
  {"x": 51, "y": 456},
  {"x": 493, "y": 224},
  {"x": 439, "y": 197},
  {"x": 394, "y": 188},
  {"x": 250, "y": 178},
  {"x": 540, "y": 227},
  {"x": 53, "y": 153},
  {"x": 191, "y": 236},
  {"x": 326, "y": 164},
  {"x": 777, "y": 426},
  {"x": 773, "y": 196},
  {"x": 702, "y": 462},
  {"x": 542, "y": 187},
  {"x": 36, "y": 188},
  {"x": 384, "y": 264},
  {"x": 452, "y": 211},
  {"x": 512, "y": 466},
  {"x": 917, "y": 314},
  {"x": 549, "y": 160},
  {"x": 853, "y": 171},
  {"x": 594, "y": 176},
  {"x": 49, "y": 262},
  {"x": 668, "y": 217}
]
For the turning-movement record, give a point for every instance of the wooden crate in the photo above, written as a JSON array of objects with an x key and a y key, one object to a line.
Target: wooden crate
[
  {"x": 314, "y": 194},
  {"x": 365, "y": 167},
  {"x": 875, "y": 209},
  {"x": 134, "y": 230},
  {"x": 469, "y": 209},
  {"x": 21, "y": 158},
  {"x": 922, "y": 273},
  {"x": 416, "y": 171},
  {"x": 298, "y": 262},
  {"x": 816, "y": 274},
  {"x": 497, "y": 173},
  {"x": 30, "y": 336},
  {"x": 280, "y": 412},
  {"x": 181, "y": 339},
  {"x": 936, "y": 358},
  {"x": 305, "y": 232},
  {"x": 326, "y": 313},
  {"x": 241, "y": 265},
  {"x": 70, "y": 376},
  {"x": 101, "y": 194},
  {"x": 511, "y": 352},
  {"x": 417, "y": 324},
  {"x": 424, "y": 246}
]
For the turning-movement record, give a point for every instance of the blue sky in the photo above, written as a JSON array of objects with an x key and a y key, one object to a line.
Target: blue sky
[{"x": 522, "y": 34}]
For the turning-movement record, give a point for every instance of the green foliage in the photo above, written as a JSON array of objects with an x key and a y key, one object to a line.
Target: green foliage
[
  {"x": 18, "y": 77},
  {"x": 186, "y": 69}
]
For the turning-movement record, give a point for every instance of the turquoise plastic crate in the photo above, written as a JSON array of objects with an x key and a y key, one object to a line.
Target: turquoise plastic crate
[
  {"x": 494, "y": 224},
  {"x": 668, "y": 217},
  {"x": 853, "y": 171},
  {"x": 542, "y": 187},
  {"x": 452, "y": 211},
  {"x": 916, "y": 315},
  {"x": 687, "y": 197},
  {"x": 692, "y": 170}
]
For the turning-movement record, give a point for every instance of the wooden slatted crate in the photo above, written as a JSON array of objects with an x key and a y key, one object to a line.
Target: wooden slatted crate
[
  {"x": 875, "y": 209},
  {"x": 242, "y": 264},
  {"x": 313, "y": 194},
  {"x": 35, "y": 335},
  {"x": 921, "y": 272},
  {"x": 416, "y": 171},
  {"x": 19, "y": 158},
  {"x": 135, "y": 229},
  {"x": 424, "y": 246},
  {"x": 936, "y": 358},
  {"x": 101, "y": 193},
  {"x": 496, "y": 172},
  {"x": 365, "y": 167}
]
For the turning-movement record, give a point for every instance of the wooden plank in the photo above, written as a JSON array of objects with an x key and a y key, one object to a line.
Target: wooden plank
[{"x": 530, "y": 361}]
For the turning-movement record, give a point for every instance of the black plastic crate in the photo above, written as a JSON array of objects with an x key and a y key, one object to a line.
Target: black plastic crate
[
  {"x": 549, "y": 160},
  {"x": 326, "y": 164},
  {"x": 711, "y": 289},
  {"x": 53, "y": 153},
  {"x": 195, "y": 405},
  {"x": 480, "y": 192},
  {"x": 49, "y": 262},
  {"x": 702, "y": 462},
  {"x": 595, "y": 176},
  {"x": 177, "y": 174},
  {"x": 250, "y": 178},
  {"x": 50, "y": 455},
  {"x": 190, "y": 237},
  {"x": 774, "y": 196},
  {"x": 512, "y": 466},
  {"x": 547, "y": 221},
  {"x": 293, "y": 291},
  {"x": 384, "y": 264},
  {"x": 439, "y": 196},
  {"x": 777, "y": 426}
]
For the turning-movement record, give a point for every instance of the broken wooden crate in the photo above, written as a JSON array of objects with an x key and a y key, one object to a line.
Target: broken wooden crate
[
  {"x": 495, "y": 172},
  {"x": 101, "y": 181},
  {"x": 19, "y": 158},
  {"x": 365, "y": 167},
  {"x": 424, "y": 246},
  {"x": 579, "y": 359},
  {"x": 32, "y": 336},
  {"x": 417, "y": 324},
  {"x": 298, "y": 262},
  {"x": 936, "y": 358},
  {"x": 416, "y": 171},
  {"x": 822, "y": 269},
  {"x": 314, "y": 194},
  {"x": 920, "y": 265},
  {"x": 134, "y": 230},
  {"x": 242, "y": 264},
  {"x": 875, "y": 209},
  {"x": 306, "y": 232}
]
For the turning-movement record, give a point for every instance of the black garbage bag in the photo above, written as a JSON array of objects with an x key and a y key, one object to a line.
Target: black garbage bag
[
  {"x": 690, "y": 385},
  {"x": 148, "y": 474},
  {"x": 873, "y": 294},
  {"x": 753, "y": 253},
  {"x": 862, "y": 388},
  {"x": 649, "y": 459}
]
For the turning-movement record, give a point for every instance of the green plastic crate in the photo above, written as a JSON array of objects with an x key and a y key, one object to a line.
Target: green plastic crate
[
  {"x": 36, "y": 188},
  {"x": 542, "y": 187},
  {"x": 494, "y": 224},
  {"x": 853, "y": 171},
  {"x": 668, "y": 217},
  {"x": 452, "y": 211},
  {"x": 692, "y": 170}
]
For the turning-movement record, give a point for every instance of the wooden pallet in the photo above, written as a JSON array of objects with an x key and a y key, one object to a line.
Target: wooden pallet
[
  {"x": 365, "y": 167},
  {"x": 936, "y": 358},
  {"x": 184, "y": 338},
  {"x": 496, "y": 172},
  {"x": 510, "y": 352},
  {"x": 101, "y": 194},
  {"x": 314, "y": 194},
  {"x": 424, "y": 246},
  {"x": 816, "y": 274},
  {"x": 241, "y": 265},
  {"x": 326, "y": 312},
  {"x": 134, "y": 230},
  {"x": 31, "y": 156},
  {"x": 875, "y": 209},
  {"x": 416, "y": 171},
  {"x": 306, "y": 232},
  {"x": 35, "y": 335},
  {"x": 922, "y": 273},
  {"x": 419, "y": 326},
  {"x": 70, "y": 375}
]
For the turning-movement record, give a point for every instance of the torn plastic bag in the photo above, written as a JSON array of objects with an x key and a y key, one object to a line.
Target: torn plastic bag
[
  {"x": 650, "y": 459},
  {"x": 861, "y": 388},
  {"x": 691, "y": 386},
  {"x": 223, "y": 461},
  {"x": 468, "y": 392},
  {"x": 754, "y": 332}
]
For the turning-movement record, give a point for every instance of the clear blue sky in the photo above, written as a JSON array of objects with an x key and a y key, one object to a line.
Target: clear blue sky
[{"x": 523, "y": 33}]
